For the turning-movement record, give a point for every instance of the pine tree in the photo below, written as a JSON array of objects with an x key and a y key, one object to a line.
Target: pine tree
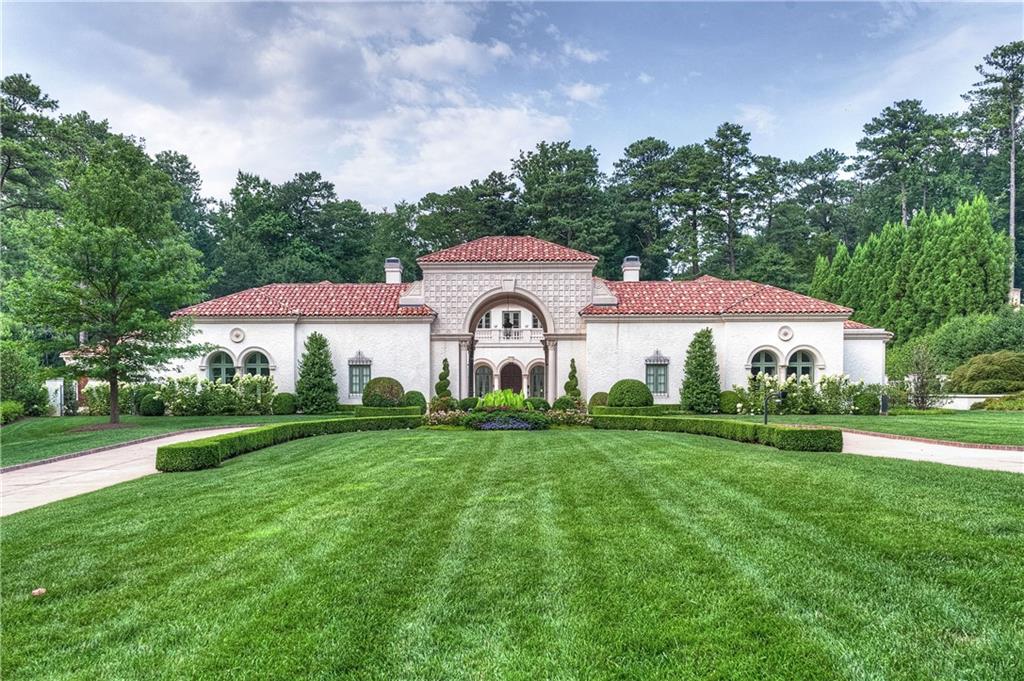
[
  {"x": 316, "y": 392},
  {"x": 700, "y": 390},
  {"x": 441, "y": 388},
  {"x": 572, "y": 387}
]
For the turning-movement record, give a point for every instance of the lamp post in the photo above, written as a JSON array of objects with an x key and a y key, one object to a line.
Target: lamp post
[{"x": 781, "y": 395}]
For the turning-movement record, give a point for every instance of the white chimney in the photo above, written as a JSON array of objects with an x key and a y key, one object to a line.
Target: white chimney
[
  {"x": 392, "y": 271},
  {"x": 631, "y": 268}
]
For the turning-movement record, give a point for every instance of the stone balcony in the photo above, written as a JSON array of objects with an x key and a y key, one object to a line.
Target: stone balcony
[{"x": 509, "y": 336}]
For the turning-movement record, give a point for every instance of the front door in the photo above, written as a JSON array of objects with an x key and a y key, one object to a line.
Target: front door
[{"x": 512, "y": 378}]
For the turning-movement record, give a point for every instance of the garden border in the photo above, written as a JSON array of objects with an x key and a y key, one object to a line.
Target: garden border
[{"x": 782, "y": 437}]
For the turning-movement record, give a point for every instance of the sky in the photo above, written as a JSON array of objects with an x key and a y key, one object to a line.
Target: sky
[{"x": 390, "y": 101}]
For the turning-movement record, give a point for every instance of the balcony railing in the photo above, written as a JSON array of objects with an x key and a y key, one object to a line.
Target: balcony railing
[{"x": 509, "y": 335}]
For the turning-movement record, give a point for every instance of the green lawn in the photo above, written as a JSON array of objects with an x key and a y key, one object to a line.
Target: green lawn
[
  {"x": 39, "y": 438},
  {"x": 571, "y": 554},
  {"x": 988, "y": 427}
]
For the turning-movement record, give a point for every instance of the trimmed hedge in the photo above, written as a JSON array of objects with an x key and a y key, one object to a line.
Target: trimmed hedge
[
  {"x": 414, "y": 398},
  {"x": 468, "y": 403},
  {"x": 283, "y": 403},
  {"x": 538, "y": 403},
  {"x": 630, "y": 392},
  {"x": 209, "y": 452},
  {"x": 728, "y": 401},
  {"x": 598, "y": 399},
  {"x": 361, "y": 411},
  {"x": 781, "y": 437},
  {"x": 383, "y": 391},
  {"x": 653, "y": 410}
]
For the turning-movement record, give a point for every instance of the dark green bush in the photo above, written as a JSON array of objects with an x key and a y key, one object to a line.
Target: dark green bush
[
  {"x": 316, "y": 392},
  {"x": 151, "y": 405},
  {"x": 506, "y": 420},
  {"x": 630, "y": 392},
  {"x": 387, "y": 411},
  {"x": 728, "y": 401},
  {"x": 21, "y": 378},
  {"x": 700, "y": 392},
  {"x": 346, "y": 408},
  {"x": 1005, "y": 403},
  {"x": 781, "y": 437},
  {"x": 442, "y": 403},
  {"x": 1001, "y": 371},
  {"x": 11, "y": 410},
  {"x": 468, "y": 403},
  {"x": 572, "y": 385},
  {"x": 209, "y": 452},
  {"x": 284, "y": 404},
  {"x": 538, "y": 403},
  {"x": 414, "y": 398},
  {"x": 653, "y": 410},
  {"x": 567, "y": 403},
  {"x": 599, "y": 399},
  {"x": 867, "y": 404},
  {"x": 441, "y": 388},
  {"x": 383, "y": 391}
]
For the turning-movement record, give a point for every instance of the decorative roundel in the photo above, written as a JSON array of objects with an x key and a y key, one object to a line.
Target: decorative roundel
[
  {"x": 237, "y": 335},
  {"x": 785, "y": 333}
]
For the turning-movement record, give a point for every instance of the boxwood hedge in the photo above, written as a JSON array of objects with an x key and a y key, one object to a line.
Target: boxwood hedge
[
  {"x": 653, "y": 410},
  {"x": 781, "y": 437},
  {"x": 209, "y": 452},
  {"x": 387, "y": 411}
]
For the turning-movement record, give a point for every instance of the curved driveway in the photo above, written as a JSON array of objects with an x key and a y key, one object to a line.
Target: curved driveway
[{"x": 967, "y": 456}]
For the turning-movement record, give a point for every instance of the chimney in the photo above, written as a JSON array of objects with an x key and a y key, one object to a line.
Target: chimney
[
  {"x": 392, "y": 271},
  {"x": 631, "y": 268}
]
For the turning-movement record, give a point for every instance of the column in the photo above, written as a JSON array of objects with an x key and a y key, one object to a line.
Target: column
[{"x": 551, "y": 366}]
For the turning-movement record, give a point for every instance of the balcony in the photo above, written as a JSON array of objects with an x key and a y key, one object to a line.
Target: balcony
[{"x": 509, "y": 336}]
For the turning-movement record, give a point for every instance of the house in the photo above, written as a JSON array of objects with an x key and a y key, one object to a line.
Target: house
[{"x": 513, "y": 312}]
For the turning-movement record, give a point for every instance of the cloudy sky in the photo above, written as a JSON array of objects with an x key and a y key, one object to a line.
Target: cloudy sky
[{"x": 391, "y": 101}]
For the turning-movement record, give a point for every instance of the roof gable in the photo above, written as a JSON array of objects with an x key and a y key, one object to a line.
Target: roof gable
[{"x": 508, "y": 249}]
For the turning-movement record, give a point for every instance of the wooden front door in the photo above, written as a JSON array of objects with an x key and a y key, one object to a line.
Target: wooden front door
[{"x": 512, "y": 378}]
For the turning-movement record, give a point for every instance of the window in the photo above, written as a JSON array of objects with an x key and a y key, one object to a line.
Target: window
[
  {"x": 221, "y": 367},
  {"x": 536, "y": 387},
  {"x": 801, "y": 364},
  {"x": 536, "y": 322},
  {"x": 358, "y": 377},
  {"x": 484, "y": 380},
  {"x": 764, "y": 361},
  {"x": 485, "y": 321},
  {"x": 510, "y": 319},
  {"x": 257, "y": 364},
  {"x": 657, "y": 378}
]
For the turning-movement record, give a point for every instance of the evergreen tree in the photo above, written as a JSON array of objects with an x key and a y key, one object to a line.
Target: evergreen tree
[
  {"x": 441, "y": 388},
  {"x": 700, "y": 390},
  {"x": 572, "y": 387},
  {"x": 316, "y": 392},
  {"x": 819, "y": 280}
]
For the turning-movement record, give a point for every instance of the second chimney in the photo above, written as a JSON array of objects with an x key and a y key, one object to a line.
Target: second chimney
[
  {"x": 631, "y": 268},
  {"x": 392, "y": 271}
]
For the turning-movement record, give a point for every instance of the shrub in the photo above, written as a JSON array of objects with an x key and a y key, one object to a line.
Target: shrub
[
  {"x": 572, "y": 385},
  {"x": 599, "y": 399},
  {"x": 538, "y": 403},
  {"x": 316, "y": 392},
  {"x": 573, "y": 417},
  {"x": 468, "y": 403},
  {"x": 780, "y": 437},
  {"x": 506, "y": 420},
  {"x": 11, "y": 410},
  {"x": 151, "y": 405},
  {"x": 630, "y": 392},
  {"x": 209, "y": 452},
  {"x": 728, "y": 401},
  {"x": 568, "y": 403},
  {"x": 653, "y": 410},
  {"x": 446, "y": 418},
  {"x": 444, "y": 404},
  {"x": 71, "y": 397},
  {"x": 414, "y": 398},
  {"x": 699, "y": 392},
  {"x": 505, "y": 400},
  {"x": 996, "y": 372},
  {"x": 1005, "y": 403},
  {"x": 21, "y": 379},
  {"x": 97, "y": 399},
  {"x": 867, "y": 404},
  {"x": 387, "y": 411},
  {"x": 441, "y": 388},
  {"x": 283, "y": 403},
  {"x": 383, "y": 391}
]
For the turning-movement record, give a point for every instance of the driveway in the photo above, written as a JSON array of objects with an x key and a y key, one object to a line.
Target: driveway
[
  {"x": 970, "y": 457},
  {"x": 37, "y": 485}
]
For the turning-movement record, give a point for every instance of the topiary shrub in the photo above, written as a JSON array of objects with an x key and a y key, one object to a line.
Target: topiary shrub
[
  {"x": 414, "y": 398},
  {"x": 728, "y": 401},
  {"x": 630, "y": 392},
  {"x": 699, "y": 393},
  {"x": 316, "y": 392},
  {"x": 283, "y": 404},
  {"x": 441, "y": 388},
  {"x": 567, "y": 403},
  {"x": 468, "y": 403},
  {"x": 867, "y": 404},
  {"x": 598, "y": 400},
  {"x": 538, "y": 403},
  {"x": 572, "y": 385},
  {"x": 383, "y": 391},
  {"x": 151, "y": 405}
]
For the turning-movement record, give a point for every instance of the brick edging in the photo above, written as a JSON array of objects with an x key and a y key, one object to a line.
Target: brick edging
[
  {"x": 96, "y": 450},
  {"x": 930, "y": 441}
]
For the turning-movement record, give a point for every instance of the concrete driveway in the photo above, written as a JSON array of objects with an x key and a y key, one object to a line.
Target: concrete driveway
[{"x": 970, "y": 457}]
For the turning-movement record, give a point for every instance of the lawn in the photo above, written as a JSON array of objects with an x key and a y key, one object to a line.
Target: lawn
[
  {"x": 987, "y": 427},
  {"x": 559, "y": 554},
  {"x": 40, "y": 438}
]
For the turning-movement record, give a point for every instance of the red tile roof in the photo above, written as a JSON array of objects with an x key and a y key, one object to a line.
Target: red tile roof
[
  {"x": 850, "y": 324},
  {"x": 708, "y": 295},
  {"x": 311, "y": 300},
  {"x": 508, "y": 249}
]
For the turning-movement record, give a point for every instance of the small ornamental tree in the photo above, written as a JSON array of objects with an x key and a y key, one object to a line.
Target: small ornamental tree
[
  {"x": 441, "y": 388},
  {"x": 316, "y": 392},
  {"x": 572, "y": 386},
  {"x": 699, "y": 392}
]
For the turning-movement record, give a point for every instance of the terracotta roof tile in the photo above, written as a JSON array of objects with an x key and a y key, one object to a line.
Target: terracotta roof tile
[
  {"x": 850, "y": 324},
  {"x": 508, "y": 249},
  {"x": 708, "y": 295},
  {"x": 311, "y": 300}
]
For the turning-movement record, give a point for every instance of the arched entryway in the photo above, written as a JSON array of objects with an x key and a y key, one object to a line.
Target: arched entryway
[{"x": 511, "y": 378}]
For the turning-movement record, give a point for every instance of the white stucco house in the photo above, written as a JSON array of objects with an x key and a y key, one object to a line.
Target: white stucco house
[{"x": 512, "y": 312}]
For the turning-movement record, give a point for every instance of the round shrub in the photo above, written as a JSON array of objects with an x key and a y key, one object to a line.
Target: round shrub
[
  {"x": 538, "y": 403},
  {"x": 284, "y": 403},
  {"x": 599, "y": 400},
  {"x": 565, "y": 403},
  {"x": 1001, "y": 371},
  {"x": 383, "y": 392},
  {"x": 630, "y": 392},
  {"x": 468, "y": 403},
  {"x": 867, "y": 404},
  {"x": 151, "y": 405},
  {"x": 414, "y": 398},
  {"x": 727, "y": 402},
  {"x": 439, "y": 404}
]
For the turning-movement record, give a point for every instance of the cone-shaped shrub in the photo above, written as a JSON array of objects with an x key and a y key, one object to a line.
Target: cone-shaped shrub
[
  {"x": 316, "y": 392},
  {"x": 700, "y": 380},
  {"x": 441, "y": 388},
  {"x": 572, "y": 386}
]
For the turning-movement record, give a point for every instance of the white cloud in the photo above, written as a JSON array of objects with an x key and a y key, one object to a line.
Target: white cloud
[
  {"x": 583, "y": 54},
  {"x": 443, "y": 59},
  {"x": 645, "y": 78},
  {"x": 584, "y": 93},
  {"x": 759, "y": 118}
]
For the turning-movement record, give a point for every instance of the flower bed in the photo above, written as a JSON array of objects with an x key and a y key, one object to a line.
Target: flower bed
[{"x": 506, "y": 420}]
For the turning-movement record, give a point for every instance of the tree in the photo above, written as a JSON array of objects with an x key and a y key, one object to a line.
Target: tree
[
  {"x": 442, "y": 387},
  {"x": 484, "y": 208},
  {"x": 192, "y": 212},
  {"x": 112, "y": 267},
  {"x": 700, "y": 389},
  {"x": 315, "y": 391},
  {"x": 572, "y": 386},
  {"x": 27, "y": 163},
  {"x": 728, "y": 182},
  {"x": 923, "y": 384},
  {"x": 21, "y": 379}
]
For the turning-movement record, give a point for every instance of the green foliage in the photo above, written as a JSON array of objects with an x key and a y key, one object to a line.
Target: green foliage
[
  {"x": 383, "y": 391},
  {"x": 598, "y": 399},
  {"x": 209, "y": 452},
  {"x": 997, "y": 372},
  {"x": 568, "y": 417},
  {"x": 1005, "y": 403},
  {"x": 316, "y": 392},
  {"x": 447, "y": 418},
  {"x": 414, "y": 398},
  {"x": 151, "y": 405},
  {"x": 572, "y": 386},
  {"x": 538, "y": 403},
  {"x": 922, "y": 384},
  {"x": 21, "y": 379},
  {"x": 829, "y": 395},
  {"x": 653, "y": 410},
  {"x": 468, "y": 403},
  {"x": 413, "y": 410},
  {"x": 283, "y": 403},
  {"x": 97, "y": 399},
  {"x": 441, "y": 388},
  {"x": 506, "y": 420},
  {"x": 630, "y": 392},
  {"x": 568, "y": 403},
  {"x": 245, "y": 394},
  {"x": 781, "y": 437},
  {"x": 439, "y": 404},
  {"x": 700, "y": 390},
  {"x": 505, "y": 399},
  {"x": 10, "y": 411},
  {"x": 867, "y": 404},
  {"x": 728, "y": 401}
]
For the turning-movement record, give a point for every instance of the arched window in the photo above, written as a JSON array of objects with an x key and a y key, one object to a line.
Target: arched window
[
  {"x": 801, "y": 364},
  {"x": 484, "y": 380},
  {"x": 764, "y": 361},
  {"x": 257, "y": 364},
  {"x": 485, "y": 321},
  {"x": 220, "y": 367},
  {"x": 536, "y": 387}
]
